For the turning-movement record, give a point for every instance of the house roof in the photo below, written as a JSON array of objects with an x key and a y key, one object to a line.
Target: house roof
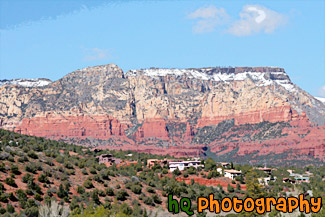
[
  {"x": 265, "y": 169},
  {"x": 232, "y": 171},
  {"x": 183, "y": 162}
]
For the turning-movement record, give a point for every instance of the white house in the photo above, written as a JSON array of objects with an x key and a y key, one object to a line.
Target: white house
[
  {"x": 266, "y": 180},
  {"x": 181, "y": 165},
  {"x": 231, "y": 174}
]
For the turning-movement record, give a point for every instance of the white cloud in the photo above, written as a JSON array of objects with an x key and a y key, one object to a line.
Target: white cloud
[
  {"x": 253, "y": 19},
  {"x": 95, "y": 54},
  {"x": 208, "y": 18},
  {"x": 256, "y": 18},
  {"x": 321, "y": 91}
]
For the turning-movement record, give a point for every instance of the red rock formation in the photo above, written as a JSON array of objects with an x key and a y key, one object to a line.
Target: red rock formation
[
  {"x": 275, "y": 114},
  {"x": 83, "y": 126},
  {"x": 189, "y": 133},
  {"x": 162, "y": 111},
  {"x": 300, "y": 140},
  {"x": 155, "y": 128},
  {"x": 154, "y": 131}
]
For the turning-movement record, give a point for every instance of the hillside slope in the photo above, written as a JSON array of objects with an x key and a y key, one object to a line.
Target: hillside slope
[{"x": 35, "y": 171}]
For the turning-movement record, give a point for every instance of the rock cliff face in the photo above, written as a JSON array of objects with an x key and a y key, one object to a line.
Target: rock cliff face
[{"x": 225, "y": 112}]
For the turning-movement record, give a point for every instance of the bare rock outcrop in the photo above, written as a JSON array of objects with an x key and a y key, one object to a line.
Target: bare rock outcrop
[{"x": 255, "y": 111}]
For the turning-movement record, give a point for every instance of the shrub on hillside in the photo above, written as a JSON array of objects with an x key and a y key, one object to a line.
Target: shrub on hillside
[
  {"x": 230, "y": 188},
  {"x": 177, "y": 172},
  {"x": 28, "y": 177},
  {"x": 10, "y": 208},
  {"x": 43, "y": 178},
  {"x": 2, "y": 188},
  {"x": 2, "y": 210},
  {"x": 137, "y": 189},
  {"x": 156, "y": 199},
  {"x": 148, "y": 201},
  {"x": 12, "y": 197},
  {"x": 151, "y": 190},
  {"x": 10, "y": 181},
  {"x": 15, "y": 170},
  {"x": 88, "y": 184},
  {"x": 3, "y": 198},
  {"x": 80, "y": 190},
  {"x": 32, "y": 154},
  {"x": 109, "y": 192},
  {"x": 121, "y": 195},
  {"x": 38, "y": 197},
  {"x": 3, "y": 167}
]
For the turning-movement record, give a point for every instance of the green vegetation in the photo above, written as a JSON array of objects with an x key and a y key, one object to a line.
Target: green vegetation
[{"x": 82, "y": 187}]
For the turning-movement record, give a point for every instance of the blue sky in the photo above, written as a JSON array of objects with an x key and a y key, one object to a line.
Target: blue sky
[{"x": 52, "y": 38}]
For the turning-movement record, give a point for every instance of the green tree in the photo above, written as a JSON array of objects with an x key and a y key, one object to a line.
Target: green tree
[
  {"x": 126, "y": 209},
  {"x": 21, "y": 195},
  {"x": 15, "y": 170},
  {"x": 148, "y": 201},
  {"x": 109, "y": 192},
  {"x": 177, "y": 172},
  {"x": 230, "y": 188},
  {"x": 88, "y": 184},
  {"x": 3, "y": 198},
  {"x": 254, "y": 189},
  {"x": 2, "y": 167},
  {"x": 121, "y": 195},
  {"x": 2, "y": 210},
  {"x": 42, "y": 178},
  {"x": 80, "y": 190},
  {"x": 28, "y": 177},
  {"x": 62, "y": 193},
  {"x": 10, "y": 181},
  {"x": 38, "y": 197},
  {"x": 137, "y": 189},
  {"x": 94, "y": 197},
  {"x": 156, "y": 199},
  {"x": 10, "y": 208},
  {"x": 74, "y": 204},
  {"x": 12, "y": 197},
  {"x": 32, "y": 154},
  {"x": 209, "y": 164},
  {"x": 2, "y": 188}
]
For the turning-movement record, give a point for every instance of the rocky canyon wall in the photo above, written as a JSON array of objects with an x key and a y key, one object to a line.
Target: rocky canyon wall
[{"x": 183, "y": 112}]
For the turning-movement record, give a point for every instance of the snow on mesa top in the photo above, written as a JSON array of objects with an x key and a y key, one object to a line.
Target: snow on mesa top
[
  {"x": 322, "y": 99},
  {"x": 262, "y": 76},
  {"x": 38, "y": 82}
]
